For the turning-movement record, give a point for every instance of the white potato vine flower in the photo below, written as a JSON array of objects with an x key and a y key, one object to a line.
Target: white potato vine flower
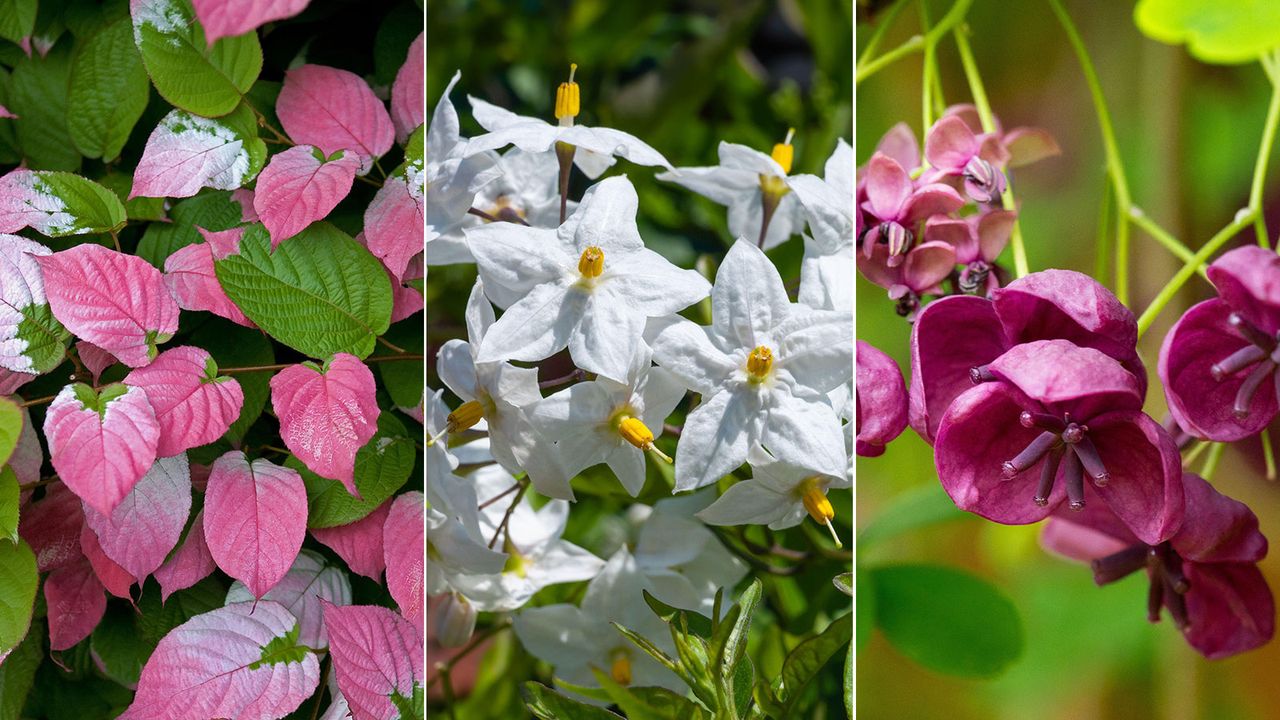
[
  {"x": 454, "y": 172},
  {"x": 763, "y": 368},
  {"x": 453, "y": 551},
  {"x": 826, "y": 273},
  {"x": 588, "y": 285},
  {"x": 602, "y": 421},
  {"x": 779, "y": 494},
  {"x": 754, "y": 186},
  {"x": 681, "y": 559},
  {"x": 500, "y": 394}
]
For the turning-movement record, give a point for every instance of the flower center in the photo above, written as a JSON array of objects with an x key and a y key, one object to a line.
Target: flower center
[
  {"x": 516, "y": 563},
  {"x": 983, "y": 181},
  {"x": 973, "y": 279},
  {"x": 772, "y": 186},
  {"x": 1064, "y": 444},
  {"x": 759, "y": 364},
  {"x": 813, "y": 494},
  {"x": 1164, "y": 568},
  {"x": 620, "y": 666},
  {"x": 1261, "y": 354},
  {"x": 634, "y": 431},
  {"x": 568, "y": 99},
  {"x": 591, "y": 264}
]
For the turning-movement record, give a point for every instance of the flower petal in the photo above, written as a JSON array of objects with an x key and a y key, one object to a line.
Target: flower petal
[
  {"x": 1068, "y": 379},
  {"x": 1218, "y": 529},
  {"x": 715, "y": 439},
  {"x": 882, "y": 400},
  {"x": 748, "y": 298},
  {"x": 536, "y": 327},
  {"x": 950, "y": 336},
  {"x": 1248, "y": 279},
  {"x": 950, "y": 144},
  {"x": 1145, "y": 490},
  {"x": 888, "y": 187},
  {"x": 1230, "y": 607}
]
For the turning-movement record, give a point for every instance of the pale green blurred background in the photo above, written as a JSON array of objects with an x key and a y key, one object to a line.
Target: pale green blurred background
[{"x": 1189, "y": 133}]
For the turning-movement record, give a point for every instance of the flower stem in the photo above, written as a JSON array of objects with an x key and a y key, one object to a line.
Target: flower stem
[
  {"x": 1211, "y": 462},
  {"x": 1102, "y": 256},
  {"x": 1264, "y": 156},
  {"x": 886, "y": 22},
  {"x": 1268, "y": 455},
  {"x": 928, "y": 76},
  {"x": 577, "y": 374},
  {"x": 1160, "y": 235},
  {"x": 1020, "y": 266},
  {"x": 867, "y": 68},
  {"x": 1196, "y": 452},
  {"x": 506, "y": 518}
]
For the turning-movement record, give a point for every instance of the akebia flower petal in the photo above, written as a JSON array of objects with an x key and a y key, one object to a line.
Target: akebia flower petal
[
  {"x": 888, "y": 187},
  {"x": 950, "y": 337},
  {"x": 1218, "y": 529},
  {"x": 148, "y": 523},
  {"x": 193, "y": 404},
  {"x": 1248, "y": 279},
  {"x": 1067, "y": 379},
  {"x": 377, "y": 656},
  {"x": 300, "y": 186},
  {"x": 882, "y": 400},
  {"x": 1230, "y": 607},
  {"x": 327, "y": 414},
  {"x": 101, "y": 442},
  {"x": 950, "y": 144},
  {"x": 116, "y": 301},
  {"x": 334, "y": 110},
  {"x": 1145, "y": 489},
  {"x": 255, "y": 519}
]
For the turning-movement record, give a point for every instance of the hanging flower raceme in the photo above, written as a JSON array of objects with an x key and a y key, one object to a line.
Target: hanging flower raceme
[
  {"x": 1059, "y": 425},
  {"x": 1205, "y": 575},
  {"x": 953, "y": 150},
  {"x": 978, "y": 241},
  {"x": 881, "y": 400},
  {"x": 955, "y": 338},
  {"x": 895, "y": 207},
  {"x": 919, "y": 273},
  {"x": 1218, "y": 362}
]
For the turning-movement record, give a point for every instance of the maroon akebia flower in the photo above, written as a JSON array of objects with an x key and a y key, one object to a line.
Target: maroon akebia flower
[
  {"x": 959, "y": 151},
  {"x": 920, "y": 272},
  {"x": 1206, "y": 575},
  {"x": 895, "y": 207},
  {"x": 1059, "y": 425},
  {"x": 1218, "y": 363},
  {"x": 978, "y": 240},
  {"x": 955, "y": 338},
  {"x": 881, "y": 400}
]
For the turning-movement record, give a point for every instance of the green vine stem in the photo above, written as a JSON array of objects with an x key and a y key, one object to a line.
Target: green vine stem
[
  {"x": 878, "y": 36},
  {"x": 1264, "y": 152},
  {"x": 866, "y": 68},
  {"x": 1211, "y": 462}
]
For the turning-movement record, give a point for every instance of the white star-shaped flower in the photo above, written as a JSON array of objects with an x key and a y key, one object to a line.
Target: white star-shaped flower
[
  {"x": 454, "y": 551},
  {"x": 826, "y": 273},
  {"x": 763, "y": 367},
  {"x": 588, "y": 285},
  {"x": 779, "y": 494},
  {"x": 748, "y": 182},
  {"x": 454, "y": 172},
  {"x": 682, "y": 560},
  {"x": 602, "y": 421}
]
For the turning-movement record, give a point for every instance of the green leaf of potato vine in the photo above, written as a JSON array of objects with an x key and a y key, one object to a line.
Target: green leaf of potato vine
[
  {"x": 805, "y": 661},
  {"x": 17, "y": 19},
  {"x": 382, "y": 467},
  {"x": 1214, "y": 31},
  {"x": 108, "y": 91},
  {"x": 648, "y": 703},
  {"x": 319, "y": 292},
  {"x": 947, "y": 620},
  {"x": 205, "y": 80},
  {"x": 547, "y": 704},
  {"x": 18, "y": 582},
  {"x": 211, "y": 210},
  {"x": 735, "y": 640},
  {"x": 696, "y": 622},
  {"x": 9, "y": 493},
  {"x": 38, "y": 96},
  {"x": 18, "y": 673},
  {"x": 848, "y": 681}
]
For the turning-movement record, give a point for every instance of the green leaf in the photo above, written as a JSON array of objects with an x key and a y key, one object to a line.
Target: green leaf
[
  {"x": 1214, "y": 31},
  {"x": 185, "y": 70},
  {"x": 92, "y": 208},
  {"x": 848, "y": 682},
  {"x": 108, "y": 91},
  {"x": 412, "y": 707},
  {"x": 740, "y": 684},
  {"x": 38, "y": 96},
  {"x": 404, "y": 379},
  {"x": 209, "y": 210},
  {"x": 652, "y": 703},
  {"x": 696, "y": 622},
  {"x": 46, "y": 338},
  {"x": 804, "y": 662},
  {"x": 118, "y": 647},
  {"x": 947, "y": 620},
  {"x": 382, "y": 467},
  {"x": 319, "y": 292},
  {"x": 10, "y": 429},
  {"x": 844, "y": 582},
  {"x": 912, "y": 510},
  {"x": 18, "y": 672},
  {"x": 233, "y": 345},
  {"x": 18, "y": 581},
  {"x": 9, "y": 495},
  {"x": 282, "y": 650},
  {"x": 735, "y": 641},
  {"x": 139, "y": 208},
  {"x": 18, "y": 19},
  {"x": 547, "y": 704}
]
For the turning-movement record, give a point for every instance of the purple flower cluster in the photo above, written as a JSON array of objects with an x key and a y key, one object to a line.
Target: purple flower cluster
[{"x": 928, "y": 224}]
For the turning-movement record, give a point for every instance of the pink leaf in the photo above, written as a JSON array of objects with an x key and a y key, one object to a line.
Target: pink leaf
[
  {"x": 395, "y": 222},
  {"x": 25, "y": 201},
  {"x": 223, "y": 242},
  {"x": 309, "y": 581},
  {"x": 189, "y": 275},
  {"x": 95, "y": 359},
  {"x": 189, "y": 565},
  {"x": 115, "y": 301},
  {"x": 233, "y": 662},
  {"x": 21, "y": 294},
  {"x": 114, "y": 578},
  {"x": 148, "y": 523},
  {"x": 186, "y": 153},
  {"x": 376, "y": 653},
  {"x": 10, "y": 381},
  {"x": 76, "y": 603},
  {"x": 359, "y": 544},
  {"x": 334, "y": 110},
  {"x": 327, "y": 414},
  {"x": 27, "y": 455},
  {"x": 193, "y": 404},
  {"x": 403, "y": 536},
  {"x": 257, "y": 517},
  {"x": 406, "y": 300},
  {"x": 244, "y": 196},
  {"x": 298, "y": 188},
  {"x": 51, "y": 526},
  {"x": 101, "y": 443},
  {"x": 408, "y": 94},
  {"x": 224, "y": 18}
]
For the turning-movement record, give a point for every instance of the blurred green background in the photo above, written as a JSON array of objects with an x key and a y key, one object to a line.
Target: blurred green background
[
  {"x": 1188, "y": 133},
  {"x": 682, "y": 75}
]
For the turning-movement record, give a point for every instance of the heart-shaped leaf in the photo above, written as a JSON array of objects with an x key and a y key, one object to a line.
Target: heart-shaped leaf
[
  {"x": 377, "y": 656},
  {"x": 76, "y": 601},
  {"x": 408, "y": 93},
  {"x": 359, "y": 544},
  {"x": 148, "y": 522},
  {"x": 225, "y": 18},
  {"x": 51, "y": 528},
  {"x": 57, "y": 204},
  {"x": 382, "y": 467},
  {"x": 108, "y": 91},
  {"x": 18, "y": 580},
  {"x": 31, "y": 339},
  {"x": 190, "y": 276},
  {"x": 334, "y": 110},
  {"x": 189, "y": 564},
  {"x": 194, "y": 405},
  {"x": 300, "y": 186},
  {"x": 114, "y": 578},
  {"x": 187, "y": 152},
  {"x": 300, "y": 591},
  {"x": 395, "y": 221},
  {"x": 402, "y": 537}
]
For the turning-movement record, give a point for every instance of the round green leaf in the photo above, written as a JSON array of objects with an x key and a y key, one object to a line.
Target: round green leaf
[
  {"x": 9, "y": 495},
  {"x": 108, "y": 91},
  {"x": 383, "y": 466},
  {"x": 947, "y": 620},
  {"x": 18, "y": 581},
  {"x": 1215, "y": 31},
  {"x": 319, "y": 292}
]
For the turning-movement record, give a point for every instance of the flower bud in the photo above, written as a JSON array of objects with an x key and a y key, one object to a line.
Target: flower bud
[
  {"x": 455, "y": 621},
  {"x": 983, "y": 181}
]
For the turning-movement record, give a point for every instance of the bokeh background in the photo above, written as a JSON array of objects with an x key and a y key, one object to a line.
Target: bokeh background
[
  {"x": 682, "y": 75},
  {"x": 1188, "y": 133}
]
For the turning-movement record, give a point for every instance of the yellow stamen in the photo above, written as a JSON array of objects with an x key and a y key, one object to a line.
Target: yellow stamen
[
  {"x": 468, "y": 413},
  {"x": 759, "y": 363},
  {"x": 814, "y": 497},
  {"x": 591, "y": 264},
  {"x": 567, "y": 96},
  {"x": 620, "y": 668},
  {"x": 783, "y": 153},
  {"x": 515, "y": 561},
  {"x": 638, "y": 434}
]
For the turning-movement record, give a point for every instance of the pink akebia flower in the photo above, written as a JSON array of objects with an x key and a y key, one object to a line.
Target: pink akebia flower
[
  {"x": 1206, "y": 575},
  {"x": 978, "y": 240},
  {"x": 1218, "y": 362},
  {"x": 954, "y": 151},
  {"x": 896, "y": 206},
  {"x": 920, "y": 272},
  {"x": 1020, "y": 446},
  {"x": 1020, "y": 146},
  {"x": 881, "y": 400},
  {"x": 955, "y": 338}
]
